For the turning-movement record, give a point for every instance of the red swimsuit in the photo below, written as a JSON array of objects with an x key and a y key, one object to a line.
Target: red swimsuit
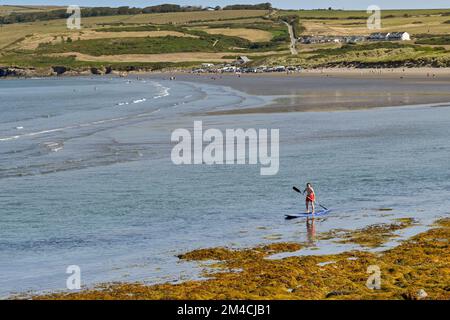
[{"x": 311, "y": 197}]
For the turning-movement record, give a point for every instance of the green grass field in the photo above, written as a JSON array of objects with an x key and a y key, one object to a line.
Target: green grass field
[
  {"x": 168, "y": 44},
  {"x": 382, "y": 54},
  {"x": 42, "y": 43},
  {"x": 336, "y": 22}
]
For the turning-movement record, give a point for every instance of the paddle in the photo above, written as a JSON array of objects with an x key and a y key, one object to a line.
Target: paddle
[{"x": 298, "y": 190}]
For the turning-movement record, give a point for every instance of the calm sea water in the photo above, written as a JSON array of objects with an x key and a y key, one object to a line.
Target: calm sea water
[{"x": 86, "y": 178}]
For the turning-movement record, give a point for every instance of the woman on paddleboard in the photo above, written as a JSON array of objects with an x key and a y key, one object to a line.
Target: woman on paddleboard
[{"x": 310, "y": 197}]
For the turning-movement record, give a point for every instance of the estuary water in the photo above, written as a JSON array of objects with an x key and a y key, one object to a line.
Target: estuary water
[{"x": 86, "y": 178}]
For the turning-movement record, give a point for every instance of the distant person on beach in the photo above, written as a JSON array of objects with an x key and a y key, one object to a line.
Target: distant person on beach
[{"x": 310, "y": 197}]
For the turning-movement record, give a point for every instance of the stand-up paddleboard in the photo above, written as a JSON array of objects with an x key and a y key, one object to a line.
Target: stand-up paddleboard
[{"x": 304, "y": 214}]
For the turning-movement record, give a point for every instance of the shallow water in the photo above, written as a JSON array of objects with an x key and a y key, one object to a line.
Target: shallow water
[{"x": 86, "y": 177}]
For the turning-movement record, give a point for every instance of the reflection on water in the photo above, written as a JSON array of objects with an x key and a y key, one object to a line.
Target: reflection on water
[{"x": 311, "y": 230}]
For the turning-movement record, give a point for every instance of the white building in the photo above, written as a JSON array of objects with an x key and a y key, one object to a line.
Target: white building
[
  {"x": 399, "y": 36},
  {"x": 390, "y": 36}
]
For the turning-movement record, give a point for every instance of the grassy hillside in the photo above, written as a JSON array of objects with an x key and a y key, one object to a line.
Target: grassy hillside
[
  {"x": 15, "y": 32},
  {"x": 8, "y": 9},
  {"x": 336, "y": 22},
  {"x": 387, "y": 55},
  {"x": 189, "y": 38},
  {"x": 230, "y": 31},
  {"x": 361, "y": 14}
]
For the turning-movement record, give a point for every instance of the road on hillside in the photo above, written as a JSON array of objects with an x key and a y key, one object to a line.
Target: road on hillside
[{"x": 291, "y": 35}]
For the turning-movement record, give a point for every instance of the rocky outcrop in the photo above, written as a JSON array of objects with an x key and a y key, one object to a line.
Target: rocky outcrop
[
  {"x": 59, "y": 70},
  {"x": 3, "y": 72},
  {"x": 97, "y": 71},
  {"x": 16, "y": 72},
  {"x": 101, "y": 70}
]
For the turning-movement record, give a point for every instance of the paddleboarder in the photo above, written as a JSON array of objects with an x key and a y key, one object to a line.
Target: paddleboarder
[
  {"x": 310, "y": 200},
  {"x": 310, "y": 197}
]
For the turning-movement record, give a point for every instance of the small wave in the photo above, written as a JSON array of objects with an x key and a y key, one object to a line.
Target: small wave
[
  {"x": 82, "y": 125},
  {"x": 139, "y": 100},
  {"x": 163, "y": 91},
  {"x": 10, "y": 138},
  {"x": 133, "y": 101}
]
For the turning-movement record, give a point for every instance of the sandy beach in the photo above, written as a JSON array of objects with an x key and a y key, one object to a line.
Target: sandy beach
[
  {"x": 382, "y": 73},
  {"x": 334, "y": 89}
]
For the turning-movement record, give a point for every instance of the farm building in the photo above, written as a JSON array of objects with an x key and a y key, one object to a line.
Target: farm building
[
  {"x": 399, "y": 36},
  {"x": 319, "y": 39},
  {"x": 378, "y": 36},
  {"x": 390, "y": 36},
  {"x": 354, "y": 39}
]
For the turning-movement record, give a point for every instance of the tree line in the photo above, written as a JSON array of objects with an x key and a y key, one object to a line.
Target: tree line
[
  {"x": 18, "y": 17},
  {"x": 259, "y": 6}
]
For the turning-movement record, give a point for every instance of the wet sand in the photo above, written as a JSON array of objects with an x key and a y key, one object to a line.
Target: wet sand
[{"x": 335, "y": 89}]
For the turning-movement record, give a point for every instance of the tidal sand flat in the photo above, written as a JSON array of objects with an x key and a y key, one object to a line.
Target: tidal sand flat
[
  {"x": 334, "y": 90},
  {"x": 86, "y": 179}
]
